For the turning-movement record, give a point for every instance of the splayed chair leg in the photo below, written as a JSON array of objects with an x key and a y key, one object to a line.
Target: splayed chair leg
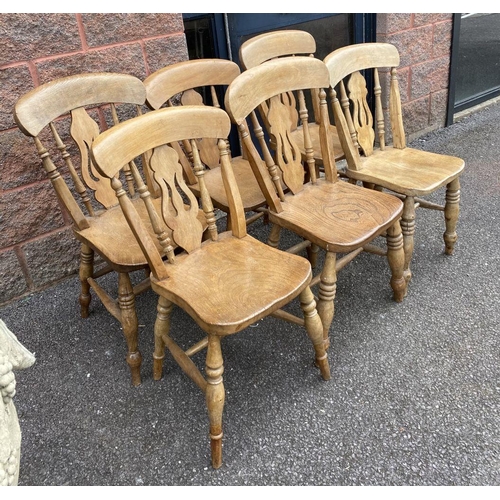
[
  {"x": 130, "y": 326},
  {"x": 161, "y": 328},
  {"x": 314, "y": 328},
  {"x": 396, "y": 258},
  {"x": 451, "y": 210},
  {"x": 215, "y": 396},
  {"x": 326, "y": 295},
  {"x": 86, "y": 271},
  {"x": 274, "y": 236},
  {"x": 408, "y": 229}
]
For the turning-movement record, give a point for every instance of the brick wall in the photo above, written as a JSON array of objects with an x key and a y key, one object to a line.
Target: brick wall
[
  {"x": 36, "y": 245},
  {"x": 424, "y": 44}
]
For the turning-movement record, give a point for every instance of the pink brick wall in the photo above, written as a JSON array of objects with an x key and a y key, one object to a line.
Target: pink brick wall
[
  {"x": 424, "y": 44},
  {"x": 36, "y": 246}
]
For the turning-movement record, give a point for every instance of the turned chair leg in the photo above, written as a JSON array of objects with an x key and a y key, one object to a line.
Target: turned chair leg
[
  {"x": 161, "y": 328},
  {"x": 274, "y": 236},
  {"x": 326, "y": 295},
  {"x": 130, "y": 326},
  {"x": 396, "y": 258},
  {"x": 215, "y": 396},
  {"x": 312, "y": 254},
  {"x": 86, "y": 271},
  {"x": 408, "y": 229},
  {"x": 314, "y": 328},
  {"x": 451, "y": 210}
]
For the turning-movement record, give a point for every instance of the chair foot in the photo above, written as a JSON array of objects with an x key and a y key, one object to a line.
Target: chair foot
[
  {"x": 451, "y": 210},
  {"x": 216, "y": 450},
  {"x": 134, "y": 360},
  {"x": 157, "y": 367}
]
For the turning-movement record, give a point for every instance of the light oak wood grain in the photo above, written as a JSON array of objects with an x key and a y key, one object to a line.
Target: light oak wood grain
[
  {"x": 286, "y": 43},
  {"x": 185, "y": 80}
]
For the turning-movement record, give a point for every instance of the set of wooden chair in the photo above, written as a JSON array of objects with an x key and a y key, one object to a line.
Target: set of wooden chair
[{"x": 145, "y": 191}]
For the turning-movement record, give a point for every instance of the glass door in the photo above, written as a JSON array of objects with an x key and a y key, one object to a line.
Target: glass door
[{"x": 475, "y": 63}]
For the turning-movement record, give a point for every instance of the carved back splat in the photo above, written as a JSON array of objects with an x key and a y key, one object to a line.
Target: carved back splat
[
  {"x": 43, "y": 106},
  {"x": 184, "y": 78},
  {"x": 180, "y": 217},
  {"x": 179, "y": 208},
  {"x": 300, "y": 73},
  {"x": 361, "y": 114},
  {"x": 346, "y": 63}
]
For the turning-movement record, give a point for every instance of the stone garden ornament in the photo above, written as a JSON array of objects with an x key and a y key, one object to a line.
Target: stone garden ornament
[{"x": 13, "y": 356}]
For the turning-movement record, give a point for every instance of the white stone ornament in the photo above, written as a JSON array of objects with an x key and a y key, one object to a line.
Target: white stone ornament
[{"x": 13, "y": 356}]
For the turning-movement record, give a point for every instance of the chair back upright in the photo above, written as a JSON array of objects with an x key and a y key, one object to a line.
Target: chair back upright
[
  {"x": 91, "y": 101},
  {"x": 268, "y": 82},
  {"x": 359, "y": 126}
]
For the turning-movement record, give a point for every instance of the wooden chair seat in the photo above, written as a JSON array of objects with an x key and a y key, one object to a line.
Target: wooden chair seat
[
  {"x": 339, "y": 217},
  {"x": 408, "y": 171},
  {"x": 111, "y": 237},
  {"x": 224, "y": 274},
  {"x": 251, "y": 195}
]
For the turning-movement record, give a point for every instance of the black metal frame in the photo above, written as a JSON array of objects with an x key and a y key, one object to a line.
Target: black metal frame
[{"x": 454, "y": 107}]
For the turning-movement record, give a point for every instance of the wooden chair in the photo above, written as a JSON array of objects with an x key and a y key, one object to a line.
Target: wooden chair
[
  {"x": 276, "y": 44},
  {"x": 225, "y": 283},
  {"x": 189, "y": 79},
  {"x": 98, "y": 222},
  {"x": 407, "y": 172},
  {"x": 332, "y": 214}
]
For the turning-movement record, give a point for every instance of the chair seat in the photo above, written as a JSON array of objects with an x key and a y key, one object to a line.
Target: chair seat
[
  {"x": 340, "y": 217},
  {"x": 298, "y": 136},
  {"x": 216, "y": 284},
  {"x": 111, "y": 237},
  {"x": 408, "y": 171},
  {"x": 251, "y": 195}
]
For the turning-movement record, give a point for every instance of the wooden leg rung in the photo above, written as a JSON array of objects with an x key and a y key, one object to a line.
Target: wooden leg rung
[
  {"x": 298, "y": 247},
  {"x": 374, "y": 249},
  {"x": 341, "y": 263},
  {"x": 102, "y": 271},
  {"x": 255, "y": 217},
  {"x": 427, "y": 204},
  {"x": 199, "y": 346},
  {"x": 291, "y": 318},
  {"x": 142, "y": 286},
  {"x": 185, "y": 363},
  {"x": 109, "y": 303}
]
